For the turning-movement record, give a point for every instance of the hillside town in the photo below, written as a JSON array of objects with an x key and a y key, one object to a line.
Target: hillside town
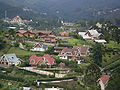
[{"x": 70, "y": 56}]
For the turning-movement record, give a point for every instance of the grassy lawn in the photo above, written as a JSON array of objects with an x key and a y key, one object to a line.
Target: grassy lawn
[
  {"x": 73, "y": 41},
  {"x": 20, "y": 52}
]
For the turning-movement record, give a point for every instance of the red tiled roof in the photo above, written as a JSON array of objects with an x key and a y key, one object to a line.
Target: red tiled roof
[
  {"x": 22, "y": 31},
  {"x": 35, "y": 58},
  {"x": 105, "y": 78},
  {"x": 62, "y": 64},
  {"x": 42, "y": 31},
  {"x": 59, "y": 47},
  {"x": 47, "y": 57}
]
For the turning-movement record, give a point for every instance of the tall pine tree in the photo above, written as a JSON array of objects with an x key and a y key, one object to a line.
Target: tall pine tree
[{"x": 97, "y": 54}]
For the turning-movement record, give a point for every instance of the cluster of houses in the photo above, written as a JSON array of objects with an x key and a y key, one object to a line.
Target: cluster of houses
[
  {"x": 17, "y": 20},
  {"x": 64, "y": 53},
  {"x": 67, "y": 23},
  {"x": 92, "y": 35},
  {"x": 45, "y": 36},
  {"x": 72, "y": 53},
  {"x": 11, "y": 59}
]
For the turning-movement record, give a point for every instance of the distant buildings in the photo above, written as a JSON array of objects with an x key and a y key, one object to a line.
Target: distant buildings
[
  {"x": 18, "y": 20},
  {"x": 67, "y": 23},
  {"x": 25, "y": 33},
  {"x": 45, "y": 36},
  {"x": 9, "y": 60}
]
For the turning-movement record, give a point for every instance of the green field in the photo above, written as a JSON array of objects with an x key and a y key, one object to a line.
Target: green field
[
  {"x": 20, "y": 52},
  {"x": 73, "y": 41}
]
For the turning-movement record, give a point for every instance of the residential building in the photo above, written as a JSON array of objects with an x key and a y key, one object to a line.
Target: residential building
[
  {"x": 41, "y": 60},
  {"x": 9, "y": 60},
  {"x": 58, "y": 49},
  {"x": 25, "y": 33},
  {"x": 91, "y": 35},
  {"x": 74, "y": 53},
  {"x": 40, "y": 33},
  {"x": 18, "y": 20},
  {"x": 83, "y": 50},
  {"x": 48, "y": 38},
  {"x": 67, "y": 23},
  {"x": 69, "y": 54},
  {"x": 64, "y": 34},
  {"x": 39, "y": 47},
  {"x": 103, "y": 81}
]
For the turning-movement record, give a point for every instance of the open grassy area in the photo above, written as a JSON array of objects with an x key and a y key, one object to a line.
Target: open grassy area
[
  {"x": 20, "y": 52},
  {"x": 73, "y": 41},
  {"x": 77, "y": 42}
]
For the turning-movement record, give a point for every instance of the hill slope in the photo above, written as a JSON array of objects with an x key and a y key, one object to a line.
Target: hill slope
[{"x": 71, "y": 9}]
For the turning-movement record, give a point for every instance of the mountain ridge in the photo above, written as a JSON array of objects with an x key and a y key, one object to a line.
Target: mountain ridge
[{"x": 68, "y": 9}]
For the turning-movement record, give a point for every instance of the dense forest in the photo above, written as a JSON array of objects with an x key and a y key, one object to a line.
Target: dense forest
[{"x": 67, "y": 9}]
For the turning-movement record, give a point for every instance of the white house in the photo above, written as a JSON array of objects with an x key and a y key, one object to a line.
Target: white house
[
  {"x": 86, "y": 37},
  {"x": 39, "y": 47},
  {"x": 9, "y": 59},
  {"x": 90, "y": 35},
  {"x": 103, "y": 81}
]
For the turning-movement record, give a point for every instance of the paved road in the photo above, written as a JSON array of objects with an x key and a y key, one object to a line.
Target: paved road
[
  {"x": 42, "y": 72},
  {"x": 48, "y": 44}
]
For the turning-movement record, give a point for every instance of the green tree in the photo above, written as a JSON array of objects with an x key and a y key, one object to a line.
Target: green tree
[
  {"x": 2, "y": 43},
  {"x": 114, "y": 83},
  {"x": 92, "y": 73},
  {"x": 97, "y": 54},
  {"x": 116, "y": 34}
]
